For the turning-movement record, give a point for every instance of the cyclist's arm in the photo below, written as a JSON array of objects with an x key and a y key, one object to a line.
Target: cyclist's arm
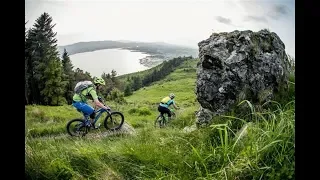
[
  {"x": 96, "y": 101},
  {"x": 175, "y": 106}
]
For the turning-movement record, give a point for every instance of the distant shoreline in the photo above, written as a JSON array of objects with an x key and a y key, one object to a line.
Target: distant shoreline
[
  {"x": 148, "y": 61},
  {"x": 156, "y": 52}
]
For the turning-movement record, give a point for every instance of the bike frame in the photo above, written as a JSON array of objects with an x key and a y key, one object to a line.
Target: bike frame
[
  {"x": 165, "y": 115},
  {"x": 98, "y": 114}
]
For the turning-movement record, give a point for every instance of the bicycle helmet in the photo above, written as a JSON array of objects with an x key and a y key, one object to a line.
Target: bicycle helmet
[
  {"x": 99, "y": 80},
  {"x": 171, "y": 95}
]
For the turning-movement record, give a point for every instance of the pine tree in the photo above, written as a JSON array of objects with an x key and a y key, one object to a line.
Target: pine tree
[
  {"x": 41, "y": 50},
  {"x": 69, "y": 76},
  {"x": 113, "y": 75},
  {"x": 81, "y": 76},
  {"x": 116, "y": 82},
  {"x": 137, "y": 83},
  {"x": 54, "y": 86},
  {"x": 128, "y": 90},
  {"x": 109, "y": 84},
  {"x": 26, "y": 75}
]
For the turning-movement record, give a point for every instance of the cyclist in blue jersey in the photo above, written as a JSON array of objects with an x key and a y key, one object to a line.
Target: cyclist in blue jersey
[{"x": 165, "y": 103}]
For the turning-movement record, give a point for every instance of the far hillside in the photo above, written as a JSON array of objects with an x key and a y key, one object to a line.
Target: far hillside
[{"x": 135, "y": 81}]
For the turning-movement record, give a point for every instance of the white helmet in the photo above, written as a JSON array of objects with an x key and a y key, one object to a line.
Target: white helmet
[{"x": 171, "y": 95}]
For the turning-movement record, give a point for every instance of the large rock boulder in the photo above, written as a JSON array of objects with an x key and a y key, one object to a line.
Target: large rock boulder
[{"x": 236, "y": 66}]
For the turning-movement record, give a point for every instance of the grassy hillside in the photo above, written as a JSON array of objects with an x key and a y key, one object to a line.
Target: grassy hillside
[
  {"x": 153, "y": 75},
  {"x": 236, "y": 147}
]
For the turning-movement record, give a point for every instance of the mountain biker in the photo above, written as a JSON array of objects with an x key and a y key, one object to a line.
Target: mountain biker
[
  {"x": 165, "y": 103},
  {"x": 79, "y": 101}
]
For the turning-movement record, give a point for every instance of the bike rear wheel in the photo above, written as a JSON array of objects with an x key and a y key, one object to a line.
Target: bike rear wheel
[
  {"x": 114, "y": 121},
  {"x": 77, "y": 127}
]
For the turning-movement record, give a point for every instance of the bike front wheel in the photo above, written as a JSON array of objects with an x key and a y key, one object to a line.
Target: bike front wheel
[
  {"x": 77, "y": 127},
  {"x": 159, "y": 122},
  {"x": 114, "y": 121},
  {"x": 173, "y": 115}
]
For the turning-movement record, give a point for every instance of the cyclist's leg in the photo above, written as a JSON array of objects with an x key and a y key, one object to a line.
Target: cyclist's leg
[
  {"x": 160, "y": 109},
  {"x": 167, "y": 110},
  {"x": 86, "y": 109},
  {"x": 162, "y": 120},
  {"x": 164, "y": 110}
]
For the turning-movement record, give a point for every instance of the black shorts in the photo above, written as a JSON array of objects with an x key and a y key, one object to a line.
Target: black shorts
[{"x": 163, "y": 110}]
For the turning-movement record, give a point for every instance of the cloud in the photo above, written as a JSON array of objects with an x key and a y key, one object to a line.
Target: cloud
[
  {"x": 256, "y": 18},
  {"x": 282, "y": 9},
  {"x": 277, "y": 11},
  {"x": 223, "y": 20}
]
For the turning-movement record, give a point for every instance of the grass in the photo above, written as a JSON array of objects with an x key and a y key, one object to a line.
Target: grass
[{"x": 257, "y": 144}]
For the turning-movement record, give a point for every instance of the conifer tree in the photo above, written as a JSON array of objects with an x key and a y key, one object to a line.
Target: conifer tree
[
  {"x": 128, "y": 90},
  {"x": 69, "y": 76},
  {"x": 26, "y": 75},
  {"x": 81, "y": 76},
  {"x": 42, "y": 55},
  {"x": 54, "y": 86}
]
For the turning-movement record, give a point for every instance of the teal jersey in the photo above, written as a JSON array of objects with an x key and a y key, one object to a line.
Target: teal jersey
[{"x": 166, "y": 102}]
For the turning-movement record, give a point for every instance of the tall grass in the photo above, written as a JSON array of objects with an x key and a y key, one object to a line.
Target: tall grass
[{"x": 263, "y": 150}]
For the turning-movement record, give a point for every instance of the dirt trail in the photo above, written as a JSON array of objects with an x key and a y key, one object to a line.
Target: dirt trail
[{"x": 125, "y": 130}]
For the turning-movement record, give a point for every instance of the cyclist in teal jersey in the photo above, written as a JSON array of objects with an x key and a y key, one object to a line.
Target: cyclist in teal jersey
[{"x": 165, "y": 103}]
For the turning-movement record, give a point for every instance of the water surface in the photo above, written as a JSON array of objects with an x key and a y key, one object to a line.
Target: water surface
[{"x": 96, "y": 62}]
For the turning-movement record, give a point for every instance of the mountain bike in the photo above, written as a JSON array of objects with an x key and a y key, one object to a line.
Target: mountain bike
[
  {"x": 162, "y": 119},
  {"x": 80, "y": 127}
]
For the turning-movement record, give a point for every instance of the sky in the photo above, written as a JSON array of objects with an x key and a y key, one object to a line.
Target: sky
[{"x": 182, "y": 22}]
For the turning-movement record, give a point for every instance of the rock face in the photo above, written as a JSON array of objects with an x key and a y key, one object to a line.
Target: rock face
[{"x": 236, "y": 66}]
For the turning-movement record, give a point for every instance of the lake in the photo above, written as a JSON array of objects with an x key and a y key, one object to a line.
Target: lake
[{"x": 96, "y": 62}]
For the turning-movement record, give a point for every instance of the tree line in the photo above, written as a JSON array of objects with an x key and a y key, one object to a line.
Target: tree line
[{"x": 51, "y": 77}]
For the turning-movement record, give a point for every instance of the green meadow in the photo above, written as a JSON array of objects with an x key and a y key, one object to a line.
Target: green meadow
[{"x": 246, "y": 143}]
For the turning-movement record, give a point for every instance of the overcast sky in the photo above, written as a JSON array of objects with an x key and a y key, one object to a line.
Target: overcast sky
[{"x": 185, "y": 22}]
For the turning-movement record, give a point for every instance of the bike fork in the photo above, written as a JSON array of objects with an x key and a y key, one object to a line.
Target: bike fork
[
  {"x": 87, "y": 123},
  {"x": 86, "y": 131}
]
